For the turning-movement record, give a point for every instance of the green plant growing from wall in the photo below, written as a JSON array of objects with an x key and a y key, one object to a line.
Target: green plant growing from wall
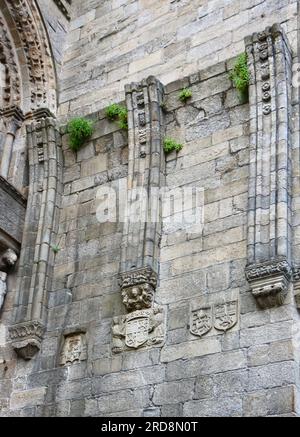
[
  {"x": 185, "y": 94},
  {"x": 170, "y": 145},
  {"x": 79, "y": 130},
  {"x": 115, "y": 112},
  {"x": 240, "y": 76},
  {"x": 56, "y": 249}
]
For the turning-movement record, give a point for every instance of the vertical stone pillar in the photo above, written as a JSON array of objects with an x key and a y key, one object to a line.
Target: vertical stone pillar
[
  {"x": 40, "y": 230},
  {"x": 269, "y": 225},
  {"x": 13, "y": 119},
  {"x": 142, "y": 227}
]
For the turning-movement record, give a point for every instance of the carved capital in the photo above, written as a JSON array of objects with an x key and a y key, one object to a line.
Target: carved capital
[
  {"x": 137, "y": 277},
  {"x": 269, "y": 282},
  {"x": 14, "y": 118},
  {"x": 26, "y": 338}
]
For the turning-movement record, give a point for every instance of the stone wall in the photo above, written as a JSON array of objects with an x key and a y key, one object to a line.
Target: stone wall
[
  {"x": 114, "y": 42},
  {"x": 250, "y": 369}
]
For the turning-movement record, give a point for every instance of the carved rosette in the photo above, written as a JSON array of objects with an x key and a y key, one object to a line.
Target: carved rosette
[
  {"x": 26, "y": 338},
  {"x": 269, "y": 282},
  {"x": 138, "y": 288}
]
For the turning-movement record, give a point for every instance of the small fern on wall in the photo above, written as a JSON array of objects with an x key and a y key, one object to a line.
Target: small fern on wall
[
  {"x": 79, "y": 130},
  {"x": 115, "y": 112},
  {"x": 185, "y": 94},
  {"x": 170, "y": 145},
  {"x": 240, "y": 77}
]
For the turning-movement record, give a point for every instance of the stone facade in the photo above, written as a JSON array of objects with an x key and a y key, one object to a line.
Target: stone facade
[{"x": 163, "y": 317}]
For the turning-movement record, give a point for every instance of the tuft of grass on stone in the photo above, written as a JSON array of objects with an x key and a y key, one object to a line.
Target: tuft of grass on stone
[
  {"x": 240, "y": 77},
  {"x": 170, "y": 145},
  {"x": 79, "y": 130},
  {"x": 185, "y": 94}
]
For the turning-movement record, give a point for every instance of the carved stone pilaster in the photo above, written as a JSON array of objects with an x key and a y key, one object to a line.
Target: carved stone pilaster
[
  {"x": 269, "y": 221},
  {"x": 26, "y": 338},
  {"x": 40, "y": 230},
  {"x": 144, "y": 326}
]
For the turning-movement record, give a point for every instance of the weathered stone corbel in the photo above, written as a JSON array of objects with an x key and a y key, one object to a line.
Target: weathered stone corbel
[
  {"x": 13, "y": 119},
  {"x": 40, "y": 230},
  {"x": 144, "y": 325},
  {"x": 269, "y": 219}
]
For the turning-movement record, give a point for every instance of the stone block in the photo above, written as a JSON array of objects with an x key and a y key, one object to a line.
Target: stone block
[{"x": 173, "y": 392}]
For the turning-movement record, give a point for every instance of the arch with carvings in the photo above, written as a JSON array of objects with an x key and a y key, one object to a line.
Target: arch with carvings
[{"x": 27, "y": 70}]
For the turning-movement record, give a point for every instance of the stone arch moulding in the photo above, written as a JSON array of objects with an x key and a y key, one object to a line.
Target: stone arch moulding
[{"x": 30, "y": 78}]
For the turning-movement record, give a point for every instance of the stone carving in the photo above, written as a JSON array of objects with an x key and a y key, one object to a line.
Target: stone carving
[
  {"x": 201, "y": 321},
  {"x": 138, "y": 288},
  {"x": 12, "y": 75},
  {"x": 3, "y": 288},
  {"x": 26, "y": 338},
  {"x": 138, "y": 297},
  {"x": 221, "y": 316},
  {"x": 269, "y": 282},
  {"x": 74, "y": 349},
  {"x": 138, "y": 276},
  {"x": 7, "y": 262},
  {"x": 36, "y": 51},
  {"x": 140, "y": 328},
  {"x": 226, "y": 315}
]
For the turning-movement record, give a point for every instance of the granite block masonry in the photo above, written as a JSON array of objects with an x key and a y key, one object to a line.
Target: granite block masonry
[{"x": 104, "y": 316}]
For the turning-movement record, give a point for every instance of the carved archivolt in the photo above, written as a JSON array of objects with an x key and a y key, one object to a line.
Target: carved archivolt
[
  {"x": 34, "y": 57},
  {"x": 11, "y": 82}
]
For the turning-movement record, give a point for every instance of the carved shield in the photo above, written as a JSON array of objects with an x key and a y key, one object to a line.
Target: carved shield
[
  {"x": 226, "y": 315},
  {"x": 201, "y": 321},
  {"x": 137, "y": 330}
]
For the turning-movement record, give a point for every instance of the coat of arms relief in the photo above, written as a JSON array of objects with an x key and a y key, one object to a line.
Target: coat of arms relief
[
  {"x": 144, "y": 325},
  {"x": 220, "y": 316}
]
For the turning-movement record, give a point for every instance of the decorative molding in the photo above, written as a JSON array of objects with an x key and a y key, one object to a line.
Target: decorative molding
[
  {"x": 269, "y": 217},
  {"x": 26, "y": 338},
  {"x": 35, "y": 52},
  {"x": 12, "y": 191},
  {"x": 64, "y": 7},
  {"x": 8, "y": 58}
]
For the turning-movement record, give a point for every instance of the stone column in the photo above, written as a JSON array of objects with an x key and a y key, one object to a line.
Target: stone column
[
  {"x": 142, "y": 228},
  {"x": 13, "y": 119},
  {"x": 269, "y": 217},
  {"x": 40, "y": 230}
]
